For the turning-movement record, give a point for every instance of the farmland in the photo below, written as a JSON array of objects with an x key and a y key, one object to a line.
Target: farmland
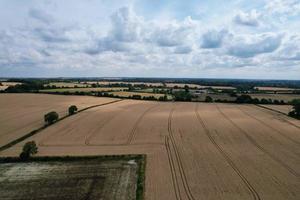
[
  {"x": 194, "y": 150},
  {"x": 67, "y": 84},
  {"x": 285, "y": 97},
  {"x": 22, "y": 113},
  {"x": 143, "y": 94},
  {"x": 90, "y": 89},
  {"x": 5, "y": 85},
  {"x": 280, "y": 108},
  {"x": 70, "y": 178},
  {"x": 273, "y": 89}
]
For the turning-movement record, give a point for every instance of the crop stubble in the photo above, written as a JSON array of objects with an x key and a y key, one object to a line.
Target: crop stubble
[{"x": 194, "y": 150}]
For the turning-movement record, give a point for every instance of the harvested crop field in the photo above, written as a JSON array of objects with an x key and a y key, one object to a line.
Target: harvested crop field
[
  {"x": 70, "y": 178},
  {"x": 194, "y": 150},
  {"x": 22, "y": 113},
  {"x": 5, "y": 85},
  {"x": 280, "y": 108}
]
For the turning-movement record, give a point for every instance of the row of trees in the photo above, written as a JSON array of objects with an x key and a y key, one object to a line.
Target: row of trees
[
  {"x": 296, "y": 109},
  {"x": 244, "y": 98},
  {"x": 30, "y": 148},
  {"x": 53, "y": 116}
]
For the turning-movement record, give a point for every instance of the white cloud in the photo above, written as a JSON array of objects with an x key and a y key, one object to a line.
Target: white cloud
[
  {"x": 41, "y": 15},
  {"x": 289, "y": 7},
  {"x": 126, "y": 25},
  {"x": 213, "y": 39},
  {"x": 247, "y": 19},
  {"x": 134, "y": 45},
  {"x": 249, "y": 46}
]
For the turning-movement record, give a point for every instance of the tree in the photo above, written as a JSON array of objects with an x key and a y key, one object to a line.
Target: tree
[
  {"x": 296, "y": 108},
  {"x": 244, "y": 99},
  {"x": 29, "y": 149},
  {"x": 51, "y": 117},
  {"x": 208, "y": 99},
  {"x": 186, "y": 88},
  {"x": 72, "y": 109}
]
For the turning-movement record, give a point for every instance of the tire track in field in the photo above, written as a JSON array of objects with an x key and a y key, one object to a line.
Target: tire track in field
[
  {"x": 267, "y": 125},
  {"x": 270, "y": 110},
  {"x": 227, "y": 158},
  {"x": 253, "y": 141},
  {"x": 135, "y": 126},
  {"x": 87, "y": 141},
  {"x": 89, "y": 137},
  {"x": 172, "y": 168},
  {"x": 178, "y": 159},
  {"x": 43, "y": 141},
  {"x": 101, "y": 145}
]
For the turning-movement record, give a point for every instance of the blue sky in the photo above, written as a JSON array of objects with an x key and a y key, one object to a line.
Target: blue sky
[{"x": 150, "y": 38}]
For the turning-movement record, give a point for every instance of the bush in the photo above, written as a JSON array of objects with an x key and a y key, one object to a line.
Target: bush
[
  {"x": 163, "y": 98},
  {"x": 136, "y": 96},
  {"x": 51, "y": 117},
  {"x": 72, "y": 109},
  {"x": 29, "y": 149},
  {"x": 296, "y": 109},
  {"x": 182, "y": 96},
  {"x": 208, "y": 99},
  {"x": 244, "y": 99}
]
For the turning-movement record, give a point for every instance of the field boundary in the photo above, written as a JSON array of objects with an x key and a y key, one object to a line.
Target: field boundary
[
  {"x": 277, "y": 111},
  {"x": 267, "y": 125},
  {"x": 34, "y": 132},
  {"x": 261, "y": 106},
  {"x": 139, "y": 158}
]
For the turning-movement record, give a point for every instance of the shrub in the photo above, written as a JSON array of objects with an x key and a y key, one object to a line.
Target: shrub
[
  {"x": 163, "y": 98},
  {"x": 244, "y": 99},
  {"x": 296, "y": 108},
  {"x": 208, "y": 99},
  {"x": 136, "y": 96},
  {"x": 72, "y": 109},
  {"x": 29, "y": 149},
  {"x": 51, "y": 117}
]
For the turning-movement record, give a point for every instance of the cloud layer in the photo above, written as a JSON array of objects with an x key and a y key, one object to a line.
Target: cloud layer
[{"x": 126, "y": 42}]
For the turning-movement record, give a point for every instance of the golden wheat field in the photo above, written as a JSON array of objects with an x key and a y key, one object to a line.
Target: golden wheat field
[{"x": 194, "y": 150}]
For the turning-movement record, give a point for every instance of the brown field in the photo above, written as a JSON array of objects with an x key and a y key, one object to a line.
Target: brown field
[
  {"x": 7, "y": 84},
  {"x": 194, "y": 150},
  {"x": 281, "y": 108},
  {"x": 22, "y": 113},
  {"x": 284, "y": 97},
  {"x": 98, "y": 89}
]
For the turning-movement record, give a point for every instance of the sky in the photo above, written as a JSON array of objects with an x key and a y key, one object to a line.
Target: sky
[{"x": 257, "y": 39}]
